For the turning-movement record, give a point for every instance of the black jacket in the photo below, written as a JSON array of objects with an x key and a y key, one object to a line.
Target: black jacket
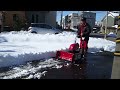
[{"x": 86, "y": 32}]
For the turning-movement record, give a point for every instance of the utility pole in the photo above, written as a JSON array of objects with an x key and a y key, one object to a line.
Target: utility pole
[
  {"x": 61, "y": 19},
  {"x": 1, "y": 21},
  {"x": 2, "y": 25},
  {"x": 106, "y": 25},
  {"x": 116, "y": 62}
]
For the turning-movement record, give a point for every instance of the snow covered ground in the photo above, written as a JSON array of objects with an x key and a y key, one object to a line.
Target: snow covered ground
[{"x": 19, "y": 47}]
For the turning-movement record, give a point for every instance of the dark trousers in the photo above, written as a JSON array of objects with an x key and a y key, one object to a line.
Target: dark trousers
[{"x": 86, "y": 39}]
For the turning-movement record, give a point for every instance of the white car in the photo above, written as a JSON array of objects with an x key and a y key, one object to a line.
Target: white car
[{"x": 42, "y": 28}]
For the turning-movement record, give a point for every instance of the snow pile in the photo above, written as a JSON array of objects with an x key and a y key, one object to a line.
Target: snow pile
[
  {"x": 19, "y": 47},
  {"x": 38, "y": 75},
  {"x": 115, "y": 26},
  {"x": 2, "y": 39},
  {"x": 98, "y": 44},
  {"x": 111, "y": 34}
]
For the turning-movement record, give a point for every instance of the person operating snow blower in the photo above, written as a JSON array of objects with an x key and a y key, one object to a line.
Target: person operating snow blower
[
  {"x": 84, "y": 30},
  {"x": 76, "y": 51}
]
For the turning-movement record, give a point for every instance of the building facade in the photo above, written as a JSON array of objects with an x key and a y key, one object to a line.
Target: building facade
[
  {"x": 65, "y": 22},
  {"x": 9, "y": 20},
  {"x": 90, "y": 17},
  {"x": 48, "y": 17},
  {"x": 111, "y": 19},
  {"x": 111, "y": 22},
  {"x": 73, "y": 19},
  {"x": 11, "y": 16}
]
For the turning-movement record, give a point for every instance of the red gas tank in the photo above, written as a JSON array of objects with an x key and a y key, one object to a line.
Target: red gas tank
[{"x": 74, "y": 47}]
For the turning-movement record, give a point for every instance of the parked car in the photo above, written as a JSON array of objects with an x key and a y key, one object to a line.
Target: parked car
[
  {"x": 6, "y": 29},
  {"x": 43, "y": 28}
]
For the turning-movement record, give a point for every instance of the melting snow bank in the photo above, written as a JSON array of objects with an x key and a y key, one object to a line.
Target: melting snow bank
[
  {"x": 18, "y": 47},
  {"x": 21, "y": 58},
  {"x": 99, "y": 44}
]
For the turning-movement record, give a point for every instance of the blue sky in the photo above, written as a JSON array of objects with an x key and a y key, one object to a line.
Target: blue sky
[{"x": 99, "y": 14}]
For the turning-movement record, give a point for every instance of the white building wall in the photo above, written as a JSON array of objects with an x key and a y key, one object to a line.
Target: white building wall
[{"x": 75, "y": 19}]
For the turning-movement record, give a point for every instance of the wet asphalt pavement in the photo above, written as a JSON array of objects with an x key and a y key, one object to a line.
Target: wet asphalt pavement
[{"x": 96, "y": 66}]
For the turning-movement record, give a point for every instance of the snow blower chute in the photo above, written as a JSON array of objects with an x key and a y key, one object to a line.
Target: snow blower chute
[{"x": 74, "y": 53}]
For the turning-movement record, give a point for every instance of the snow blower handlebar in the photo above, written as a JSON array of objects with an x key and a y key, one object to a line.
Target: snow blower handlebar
[
  {"x": 75, "y": 38},
  {"x": 79, "y": 36}
]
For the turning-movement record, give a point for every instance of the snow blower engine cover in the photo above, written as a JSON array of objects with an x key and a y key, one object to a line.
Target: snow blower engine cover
[{"x": 74, "y": 47}]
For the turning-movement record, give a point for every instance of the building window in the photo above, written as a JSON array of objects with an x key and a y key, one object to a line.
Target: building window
[
  {"x": 47, "y": 26},
  {"x": 15, "y": 17},
  {"x": 4, "y": 18},
  {"x": 116, "y": 21},
  {"x": 36, "y": 18},
  {"x": 75, "y": 27},
  {"x": 32, "y": 18}
]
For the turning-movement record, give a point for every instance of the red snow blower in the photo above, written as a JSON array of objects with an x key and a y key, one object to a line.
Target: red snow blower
[{"x": 75, "y": 52}]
